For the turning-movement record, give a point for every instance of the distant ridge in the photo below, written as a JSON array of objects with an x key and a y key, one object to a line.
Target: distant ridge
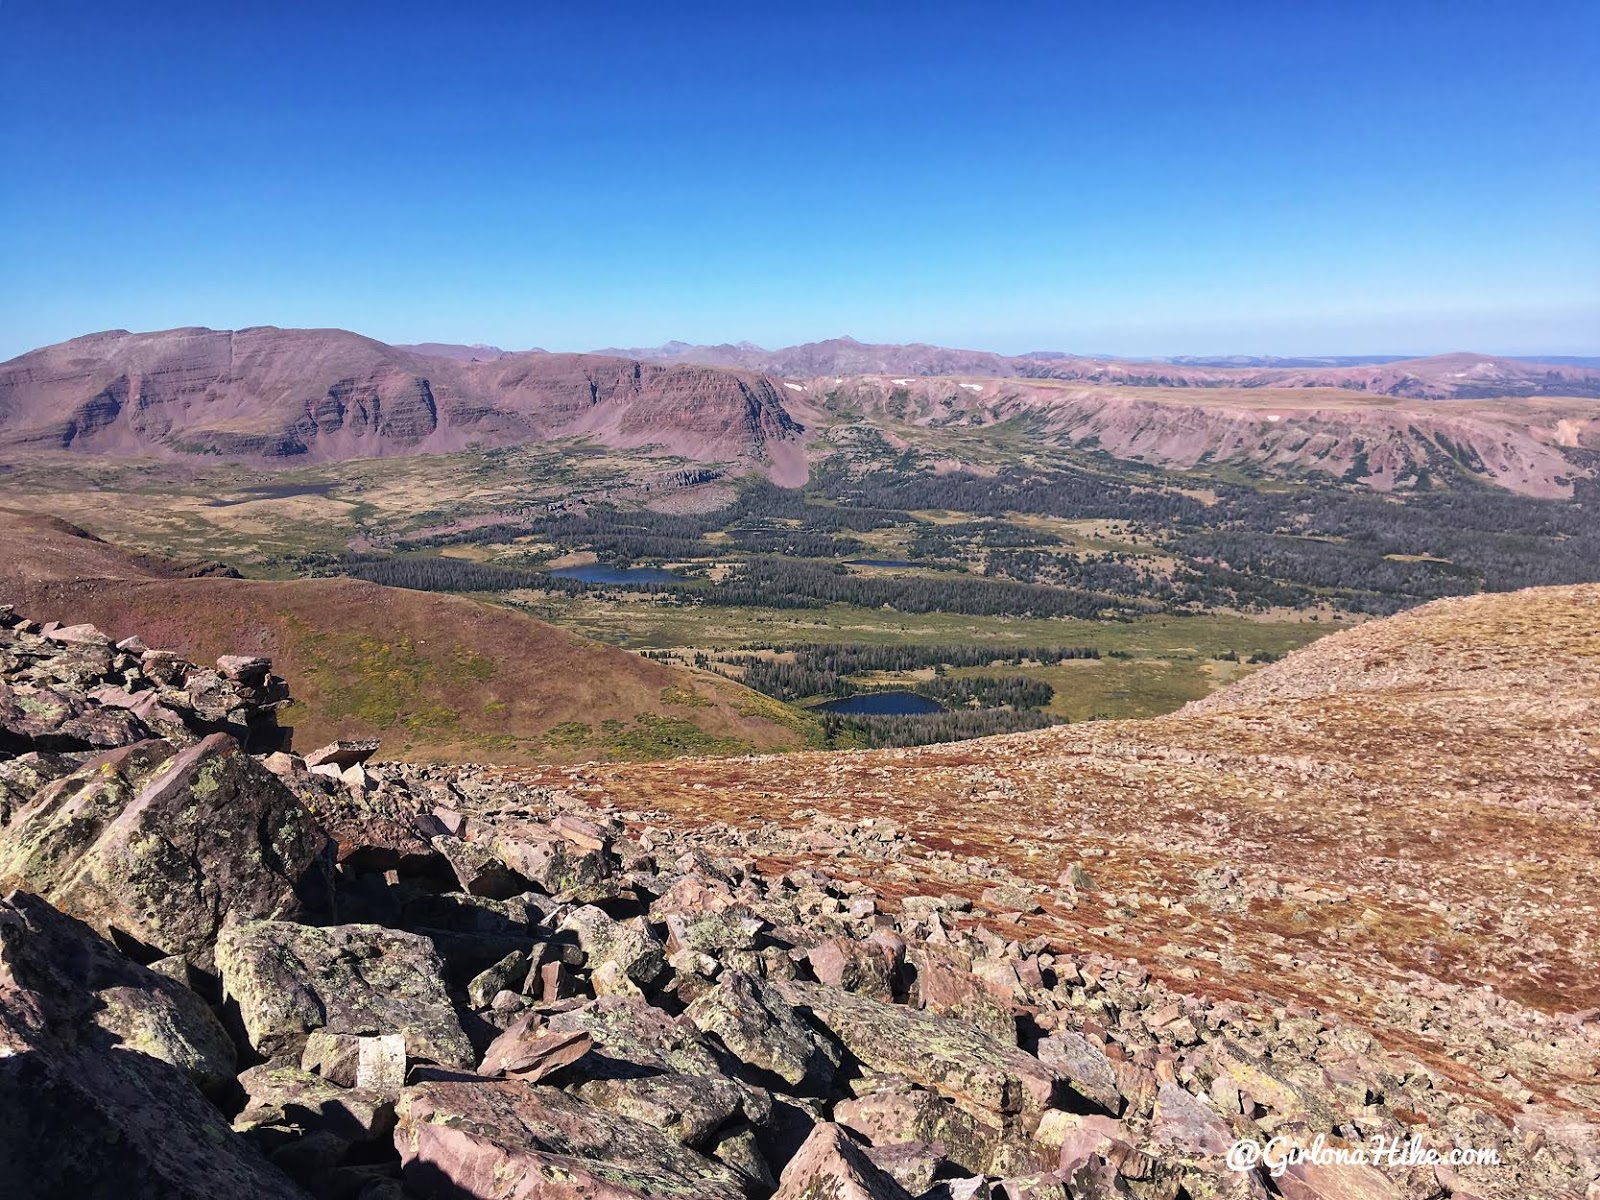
[
  {"x": 474, "y": 353},
  {"x": 1435, "y": 377}
]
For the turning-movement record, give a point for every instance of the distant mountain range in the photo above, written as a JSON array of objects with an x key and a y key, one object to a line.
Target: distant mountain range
[
  {"x": 282, "y": 396},
  {"x": 1438, "y": 377}
]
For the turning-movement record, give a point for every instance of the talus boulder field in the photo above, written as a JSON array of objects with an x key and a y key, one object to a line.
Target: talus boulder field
[{"x": 495, "y": 985}]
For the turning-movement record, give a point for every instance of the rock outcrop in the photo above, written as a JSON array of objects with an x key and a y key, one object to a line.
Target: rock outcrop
[
  {"x": 70, "y": 688},
  {"x": 161, "y": 847}
]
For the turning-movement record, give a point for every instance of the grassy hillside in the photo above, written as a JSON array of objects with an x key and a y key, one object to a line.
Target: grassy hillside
[{"x": 436, "y": 676}]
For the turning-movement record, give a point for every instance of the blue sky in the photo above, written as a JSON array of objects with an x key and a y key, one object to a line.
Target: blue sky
[{"x": 1133, "y": 178}]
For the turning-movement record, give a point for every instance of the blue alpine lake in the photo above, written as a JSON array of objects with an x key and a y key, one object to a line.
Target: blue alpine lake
[
  {"x": 600, "y": 573},
  {"x": 882, "y": 704}
]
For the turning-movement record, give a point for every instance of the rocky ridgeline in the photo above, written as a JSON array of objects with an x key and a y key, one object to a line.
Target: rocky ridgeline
[{"x": 232, "y": 975}]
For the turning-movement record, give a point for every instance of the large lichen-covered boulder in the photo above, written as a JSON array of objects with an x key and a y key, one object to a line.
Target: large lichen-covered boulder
[
  {"x": 289, "y": 980},
  {"x": 499, "y": 1141},
  {"x": 91, "y": 1112},
  {"x": 982, "y": 1075},
  {"x": 760, "y": 1028},
  {"x": 687, "y": 1108},
  {"x": 160, "y": 850},
  {"x": 892, "y": 1111},
  {"x": 49, "y": 953}
]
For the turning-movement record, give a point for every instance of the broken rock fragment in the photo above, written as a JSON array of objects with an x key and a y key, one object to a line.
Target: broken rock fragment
[
  {"x": 830, "y": 1166},
  {"x": 342, "y": 755},
  {"x": 529, "y": 1052}
]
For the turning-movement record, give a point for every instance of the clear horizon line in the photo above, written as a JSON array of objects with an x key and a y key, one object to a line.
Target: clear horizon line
[{"x": 1534, "y": 356}]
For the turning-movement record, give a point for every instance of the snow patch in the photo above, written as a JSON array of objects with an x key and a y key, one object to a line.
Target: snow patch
[
  {"x": 972, "y": 387},
  {"x": 900, "y": 382},
  {"x": 1274, "y": 417},
  {"x": 795, "y": 387}
]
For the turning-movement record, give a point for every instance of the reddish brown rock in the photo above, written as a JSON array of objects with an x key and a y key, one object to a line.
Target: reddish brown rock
[
  {"x": 943, "y": 982},
  {"x": 529, "y": 1052},
  {"x": 512, "y": 1141},
  {"x": 1335, "y": 1181},
  {"x": 1185, "y": 1124},
  {"x": 830, "y": 1166},
  {"x": 864, "y": 967}
]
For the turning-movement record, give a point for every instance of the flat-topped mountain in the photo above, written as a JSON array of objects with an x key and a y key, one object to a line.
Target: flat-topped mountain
[
  {"x": 1534, "y": 445},
  {"x": 477, "y": 352},
  {"x": 324, "y": 394}
]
